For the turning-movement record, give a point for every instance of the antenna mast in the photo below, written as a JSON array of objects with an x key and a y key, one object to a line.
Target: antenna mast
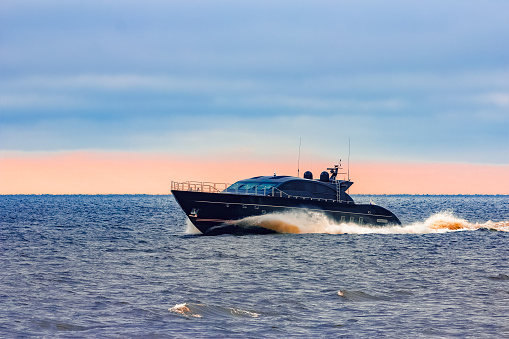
[
  {"x": 298, "y": 161},
  {"x": 348, "y": 159}
]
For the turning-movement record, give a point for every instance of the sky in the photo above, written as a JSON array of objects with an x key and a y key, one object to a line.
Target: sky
[{"x": 124, "y": 97}]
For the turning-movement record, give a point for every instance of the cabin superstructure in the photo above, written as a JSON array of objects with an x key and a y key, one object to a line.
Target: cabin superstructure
[
  {"x": 326, "y": 187},
  {"x": 292, "y": 186}
]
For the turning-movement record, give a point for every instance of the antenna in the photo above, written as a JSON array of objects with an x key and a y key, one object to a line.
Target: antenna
[
  {"x": 348, "y": 159},
  {"x": 298, "y": 161}
]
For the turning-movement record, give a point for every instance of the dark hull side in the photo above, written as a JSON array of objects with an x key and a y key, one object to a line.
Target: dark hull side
[{"x": 217, "y": 213}]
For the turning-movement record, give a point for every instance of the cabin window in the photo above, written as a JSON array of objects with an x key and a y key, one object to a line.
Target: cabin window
[
  {"x": 235, "y": 186},
  {"x": 361, "y": 220},
  {"x": 242, "y": 186},
  {"x": 352, "y": 219},
  {"x": 343, "y": 219},
  {"x": 248, "y": 186},
  {"x": 308, "y": 187},
  {"x": 265, "y": 186}
]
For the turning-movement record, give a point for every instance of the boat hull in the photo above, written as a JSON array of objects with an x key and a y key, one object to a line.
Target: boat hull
[{"x": 220, "y": 213}]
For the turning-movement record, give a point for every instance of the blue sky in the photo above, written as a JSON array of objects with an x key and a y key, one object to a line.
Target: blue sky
[{"x": 423, "y": 81}]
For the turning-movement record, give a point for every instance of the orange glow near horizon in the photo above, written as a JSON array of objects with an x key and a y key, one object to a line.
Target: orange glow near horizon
[{"x": 132, "y": 173}]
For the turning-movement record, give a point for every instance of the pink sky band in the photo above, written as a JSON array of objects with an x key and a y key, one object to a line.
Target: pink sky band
[{"x": 136, "y": 173}]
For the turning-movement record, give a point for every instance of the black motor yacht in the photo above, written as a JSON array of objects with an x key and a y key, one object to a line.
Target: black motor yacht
[{"x": 219, "y": 208}]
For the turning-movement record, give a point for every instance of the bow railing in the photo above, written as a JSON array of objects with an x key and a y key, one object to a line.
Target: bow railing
[{"x": 199, "y": 186}]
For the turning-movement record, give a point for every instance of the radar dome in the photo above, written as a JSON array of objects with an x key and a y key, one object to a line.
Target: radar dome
[
  {"x": 324, "y": 176},
  {"x": 308, "y": 175}
]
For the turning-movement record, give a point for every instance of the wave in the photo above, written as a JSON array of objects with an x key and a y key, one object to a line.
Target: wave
[
  {"x": 315, "y": 222},
  {"x": 500, "y": 277},
  {"x": 195, "y": 310},
  {"x": 359, "y": 296}
]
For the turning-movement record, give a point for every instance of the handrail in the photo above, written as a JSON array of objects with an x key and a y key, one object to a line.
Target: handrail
[
  {"x": 211, "y": 187},
  {"x": 199, "y": 186}
]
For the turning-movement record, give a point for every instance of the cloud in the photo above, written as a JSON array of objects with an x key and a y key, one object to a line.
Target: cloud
[
  {"x": 283, "y": 37},
  {"x": 404, "y": 80},
  {"x": 127, "y": 82},
  {"x": 37, "y": 100},
  {"x": 310, "y": 103},
  {"x": 497, "y": 99},
  {"x": 362, "y": 91}
]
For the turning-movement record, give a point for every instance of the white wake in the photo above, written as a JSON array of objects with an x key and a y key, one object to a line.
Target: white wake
[{"x": 316, "y": 222}]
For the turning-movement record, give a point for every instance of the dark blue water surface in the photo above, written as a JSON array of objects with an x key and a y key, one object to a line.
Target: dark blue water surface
[{"x": 124, "y": 267}]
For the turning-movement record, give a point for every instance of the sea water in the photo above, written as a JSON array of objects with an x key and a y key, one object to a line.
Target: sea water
[{"x": 131, "y": 267}]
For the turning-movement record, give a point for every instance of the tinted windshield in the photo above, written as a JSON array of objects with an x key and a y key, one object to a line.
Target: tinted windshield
[
  {"x": 259, "y": 186},
  {"x": 266, "y": 186}
]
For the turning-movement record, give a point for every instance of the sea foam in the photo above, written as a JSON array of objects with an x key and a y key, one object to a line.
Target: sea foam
[
  {"x": 315, "y": 222},
  {"x": 197, "y": 310}
]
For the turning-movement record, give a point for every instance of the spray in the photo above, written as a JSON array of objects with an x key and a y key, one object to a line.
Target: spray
[
  {"x": 307, "y": 221},
  {"x": 190, "y": 228}
]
